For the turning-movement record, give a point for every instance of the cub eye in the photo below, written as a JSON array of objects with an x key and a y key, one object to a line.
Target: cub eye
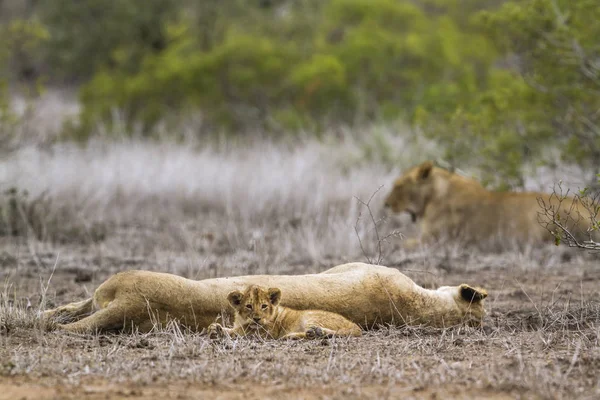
[
  {"x": 249, "y": 306},
  {"x": 264, "y": 306}
]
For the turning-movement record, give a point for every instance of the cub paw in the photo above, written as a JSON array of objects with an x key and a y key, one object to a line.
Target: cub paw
[
  {"x": 215, "y": 331},
  {"x": 314, "y": 332}
]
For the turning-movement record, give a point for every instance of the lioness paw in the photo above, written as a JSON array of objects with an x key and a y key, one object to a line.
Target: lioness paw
[{"x": 314, "y": 332}]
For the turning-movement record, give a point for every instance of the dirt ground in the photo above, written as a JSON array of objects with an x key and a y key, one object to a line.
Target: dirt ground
[
  {"x": 540, "y": 339},
  {"x": 101, "y": 389}
]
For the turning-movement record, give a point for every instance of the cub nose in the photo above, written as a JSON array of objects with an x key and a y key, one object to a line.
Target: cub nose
[{"x": 256, "y": 319}]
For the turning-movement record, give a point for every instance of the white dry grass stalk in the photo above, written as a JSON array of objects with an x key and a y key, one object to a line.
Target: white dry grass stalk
[
  {"x": 40, "y": 118},
  {"x": 551, "y": 358},
  {"x": 275, "y": 204},
  {"x": 262, "y": 193},
  {"x": 272, "y": 203}
]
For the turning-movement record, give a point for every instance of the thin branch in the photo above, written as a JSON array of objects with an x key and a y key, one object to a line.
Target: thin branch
[
  {"x": 380, "y": 240},
  {"x": 559, "y": 223}
]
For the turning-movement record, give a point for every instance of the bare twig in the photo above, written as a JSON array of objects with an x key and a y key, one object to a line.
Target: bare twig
[
  {"x": 44, "y": 288},
  {"x": 380, "y": 240},
  {"x": 560, "y": 216}
]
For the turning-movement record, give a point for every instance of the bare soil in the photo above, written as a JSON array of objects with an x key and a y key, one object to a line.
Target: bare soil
[
  {"x": 540, "y": 339},
  {"x": 206, "y": 212}
]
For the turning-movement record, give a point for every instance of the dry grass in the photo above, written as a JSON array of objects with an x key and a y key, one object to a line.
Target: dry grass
[
  {"x": 215, "y": 210},
  {"x": 298, "y": 201},
  {"x": 552, "y": 352}
]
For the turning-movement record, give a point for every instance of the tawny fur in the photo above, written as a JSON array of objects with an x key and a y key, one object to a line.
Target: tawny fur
[
  {"x": 365, "y": 294},
  {"x": 257, "y": 312},
  {"x": 450, "y": 206}
]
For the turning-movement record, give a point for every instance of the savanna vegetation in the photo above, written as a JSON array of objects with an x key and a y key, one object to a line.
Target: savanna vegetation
[
  {"x": 502, "y": 85},
  {"x": 229, "y": 137}
]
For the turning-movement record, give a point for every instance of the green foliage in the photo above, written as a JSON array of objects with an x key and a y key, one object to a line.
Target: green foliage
[
  {"x": 234, "y": 83},
  {"x": 21, "y": 42},
  {"x": 545, "y": 95},
  {"x": 499, "y": 83},
  {"x": 362, "y": 60},
  {"x": 88, "y": 35},
  {"x": 320, "y": 86}
]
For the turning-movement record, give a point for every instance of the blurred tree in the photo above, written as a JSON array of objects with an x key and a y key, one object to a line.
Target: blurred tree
[
  {"x": 500, "y": 83},
  {"x": 544, "y": 94},
  {"x": 299, "y": 64},
  {"x": 87, "y": 35},
  {"x": 21, "y": 42}
]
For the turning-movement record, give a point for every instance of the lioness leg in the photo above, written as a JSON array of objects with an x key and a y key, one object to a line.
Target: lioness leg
[
  {"x": 106, "y": 319},
  {"x": 70, "y": 312}
]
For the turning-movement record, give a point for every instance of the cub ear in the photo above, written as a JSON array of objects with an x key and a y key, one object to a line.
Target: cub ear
[
  {"x": 471, "y": 294},
  {"x": 425, "y": 170},
  {"x": 274, "y": 296},
  {"x": 235, "y": 298}
]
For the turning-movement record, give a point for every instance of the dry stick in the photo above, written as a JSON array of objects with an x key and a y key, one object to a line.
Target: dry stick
[
  {"x": 532, "y": 302},
  {"x": 368, "y": 205},
  {"x": 590, "y": 203},
  {"x": 44, "y": 288},
  {"x": 375, "y": 222},
  {"x": 571, "y": 365}
]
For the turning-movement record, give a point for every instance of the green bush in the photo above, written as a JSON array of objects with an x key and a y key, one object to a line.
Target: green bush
[
  {"x": 88, "y": 35},
  {"x": 545, "y": 96},
  {"x": 362, "y": 60},
  {"x": 234, "y": 84},
  {"x": 499, "y": 83},
  {"x": 21, "y": 42}
]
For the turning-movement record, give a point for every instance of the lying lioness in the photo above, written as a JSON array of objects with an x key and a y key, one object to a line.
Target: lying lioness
[
  {"x": 365, "y": 294},
  {"x": 257, "y": 311},
  {"x": 450, "y": 206}
]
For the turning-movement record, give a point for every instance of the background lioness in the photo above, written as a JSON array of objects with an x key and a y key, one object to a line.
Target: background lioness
[
  {"x": 450, "y": 206},
  {"x": 257, "y": 311}
]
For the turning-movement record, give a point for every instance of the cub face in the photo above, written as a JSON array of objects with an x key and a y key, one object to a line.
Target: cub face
[
  {"x": 412, "y": 191},
  {"x": 254, "y": 307}
]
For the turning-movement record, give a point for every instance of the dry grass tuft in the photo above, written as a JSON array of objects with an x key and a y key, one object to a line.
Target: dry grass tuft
[
  {"x": 223, "y": 210},
  {"x": 504, "y": 356}
]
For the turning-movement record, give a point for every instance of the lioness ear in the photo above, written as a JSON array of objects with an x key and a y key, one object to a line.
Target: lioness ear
[
  {"x": 274, "y": 296},
  {"x": 235, "y": 298},
  {"x": 471, "y": 294},
  {"x": 425, "y": 170}
]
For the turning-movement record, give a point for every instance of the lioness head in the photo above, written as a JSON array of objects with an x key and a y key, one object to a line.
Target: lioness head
[
  {"x": 254, "y": 306},
  {"x": 469, "y": 300},
  {"x": 412, "y": 191}
]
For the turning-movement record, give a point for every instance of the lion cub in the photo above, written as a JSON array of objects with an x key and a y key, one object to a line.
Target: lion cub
[{"x": 257, "y": 311}]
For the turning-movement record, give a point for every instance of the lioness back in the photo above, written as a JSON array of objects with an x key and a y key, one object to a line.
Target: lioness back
[{"x": 448, "y": 206}]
